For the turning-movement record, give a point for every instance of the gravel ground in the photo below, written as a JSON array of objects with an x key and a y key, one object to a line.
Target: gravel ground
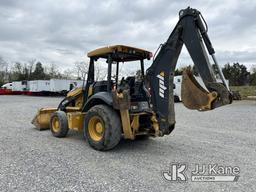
[{"x": 36, "y": 161}]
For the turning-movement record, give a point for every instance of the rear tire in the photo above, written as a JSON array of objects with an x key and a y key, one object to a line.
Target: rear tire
[
  {"x": 59, "y": 124},
  {"x": 102, "y": 127}
]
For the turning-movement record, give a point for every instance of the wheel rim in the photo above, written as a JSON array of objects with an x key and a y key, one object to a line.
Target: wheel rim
[
  {"x": 55, "y": 124},
  {"x": 95, "y": 128}
]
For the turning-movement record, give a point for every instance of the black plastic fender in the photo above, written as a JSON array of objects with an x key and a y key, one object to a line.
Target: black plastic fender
[{"x": 98, "y": 98}]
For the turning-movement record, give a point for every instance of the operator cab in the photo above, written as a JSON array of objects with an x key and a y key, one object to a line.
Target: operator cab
[{"x": 115, "y": 55}]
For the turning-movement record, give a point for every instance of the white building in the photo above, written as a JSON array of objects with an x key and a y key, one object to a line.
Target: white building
[
  {"x": 39, "y": 86},
  {"x": 64, "y": 85},
  {"x": 19, "y": 85}
]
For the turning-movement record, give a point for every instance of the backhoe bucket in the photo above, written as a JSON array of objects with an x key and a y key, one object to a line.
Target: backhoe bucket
[
  {"x": 42, "y": 118},
  {"x": 193, "y": 95}
]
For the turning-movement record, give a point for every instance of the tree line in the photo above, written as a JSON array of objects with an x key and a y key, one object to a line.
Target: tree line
[
  {"x": 36, "y": 70},
  {"x": 31, "y": 70},
  {"x": 236, "y": 73}
]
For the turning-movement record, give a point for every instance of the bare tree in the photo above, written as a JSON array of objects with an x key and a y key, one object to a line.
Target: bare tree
[
  {"x": 81, "y": 69},
  {"x": 67, "y": 74},
  {"x": 100, "y": 72},
  {"x": 52, "y": 71},
  {"x": 31, "y": 64},
  {"x": 3, "y": 71}
]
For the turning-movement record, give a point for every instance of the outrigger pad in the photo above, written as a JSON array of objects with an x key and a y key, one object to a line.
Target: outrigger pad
[{"x": 193, "y": 95}]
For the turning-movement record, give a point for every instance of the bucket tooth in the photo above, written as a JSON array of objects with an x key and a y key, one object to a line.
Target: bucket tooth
[{"x": 193, "y": 95}]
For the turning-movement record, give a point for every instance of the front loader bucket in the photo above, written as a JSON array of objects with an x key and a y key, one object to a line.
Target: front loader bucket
[
  {"x": 193, "y": 95},
  {"x": 42, "y": 118}
]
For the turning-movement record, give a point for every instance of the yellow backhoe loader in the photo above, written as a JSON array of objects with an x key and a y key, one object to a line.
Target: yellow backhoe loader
[{"x": 106, "y": 111}]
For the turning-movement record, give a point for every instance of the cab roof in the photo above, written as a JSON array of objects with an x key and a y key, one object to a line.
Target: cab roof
[{"x": 120, "y": 53}]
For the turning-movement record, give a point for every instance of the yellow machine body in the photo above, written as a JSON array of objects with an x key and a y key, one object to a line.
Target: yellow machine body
[
  {"x": 42, "y": 118},
  {"x": 107, "y": 111},
  {"x": 193, "y": 97},
  {"x": 74, "y": 114}
]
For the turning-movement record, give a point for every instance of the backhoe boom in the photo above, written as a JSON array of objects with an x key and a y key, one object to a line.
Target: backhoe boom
[{"x": 191, "y": 30}]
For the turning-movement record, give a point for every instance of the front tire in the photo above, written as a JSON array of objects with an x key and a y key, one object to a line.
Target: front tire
[
  {"x": 102, "y": 127},
  {"x": 59, "y": 124}
]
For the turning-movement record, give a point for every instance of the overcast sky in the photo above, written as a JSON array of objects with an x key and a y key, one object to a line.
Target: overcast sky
[{"x": 63, "y": 31}]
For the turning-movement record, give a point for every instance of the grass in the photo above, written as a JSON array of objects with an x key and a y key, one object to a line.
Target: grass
[{"x": 245, "y": 90}]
